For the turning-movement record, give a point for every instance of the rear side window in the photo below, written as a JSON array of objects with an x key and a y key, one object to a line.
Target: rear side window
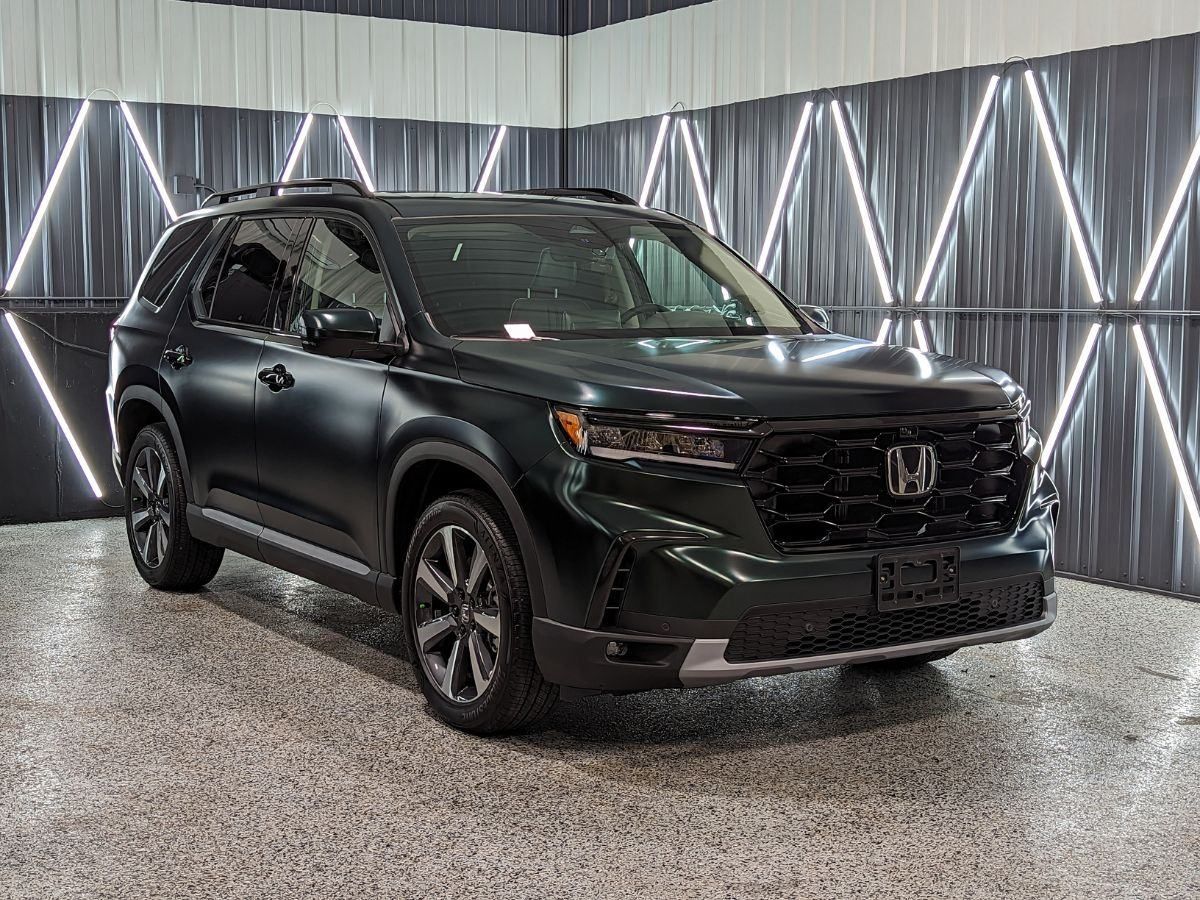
[
  {"x": 339, "y": 269},
  {"x": 178, "y": 249},
  {"x": 242, "y": 279}
]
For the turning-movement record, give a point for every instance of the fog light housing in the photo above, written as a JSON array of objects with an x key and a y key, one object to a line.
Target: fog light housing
[{"x": 616, "y": 649}]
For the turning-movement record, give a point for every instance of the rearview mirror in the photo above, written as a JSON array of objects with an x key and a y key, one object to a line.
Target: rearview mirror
[
  {"x": 820, "y": 315},
  {"x": 338, "y": 332}
]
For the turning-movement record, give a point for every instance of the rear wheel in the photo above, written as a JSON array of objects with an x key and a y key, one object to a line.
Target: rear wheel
[
  {"x": 164, "y": 551},
  {"x": 468, "y": 617},
  {"x": 903, "y": 663}
]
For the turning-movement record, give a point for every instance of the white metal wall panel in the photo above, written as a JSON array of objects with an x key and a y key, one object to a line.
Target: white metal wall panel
[
  {"x": 728, "y": 51},
  {"x": 202, "y": 54}
]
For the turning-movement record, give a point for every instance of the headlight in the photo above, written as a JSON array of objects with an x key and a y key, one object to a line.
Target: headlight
[
  {"x": 1023, "y": 421},
  {"x": 623, "y": 438}
]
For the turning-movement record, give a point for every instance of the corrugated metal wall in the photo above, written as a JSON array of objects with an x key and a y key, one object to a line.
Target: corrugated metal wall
[{"x": 1010, "y": 292}]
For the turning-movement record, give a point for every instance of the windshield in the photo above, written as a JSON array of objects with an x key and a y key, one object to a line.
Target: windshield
[{"x": 573, "y": 277}]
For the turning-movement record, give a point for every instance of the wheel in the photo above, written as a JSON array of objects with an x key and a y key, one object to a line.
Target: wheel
[
  {"x": 164, "y": 551},
  {"x": 468, "y": 618},
  {"x": 903, "y": 663}
]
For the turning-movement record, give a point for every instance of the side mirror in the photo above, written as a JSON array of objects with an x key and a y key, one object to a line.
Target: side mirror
[
  {"x": 820, "y": 315},
  {"x": 339, "y": 331}
]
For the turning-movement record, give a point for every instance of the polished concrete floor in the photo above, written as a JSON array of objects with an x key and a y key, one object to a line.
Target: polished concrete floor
[{"x": 262, "y": 738}]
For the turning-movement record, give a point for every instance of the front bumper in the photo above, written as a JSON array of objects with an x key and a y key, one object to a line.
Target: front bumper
[
  {"x": 578, "y": 658},
  {"x": 702, "y": 563}
]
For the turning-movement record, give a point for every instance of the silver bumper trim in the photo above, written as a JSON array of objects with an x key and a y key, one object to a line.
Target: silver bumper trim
[{"x": 705, "y": 662}]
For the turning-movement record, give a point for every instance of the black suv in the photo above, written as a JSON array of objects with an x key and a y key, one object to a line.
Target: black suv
[{"x": 579, "y": 446}]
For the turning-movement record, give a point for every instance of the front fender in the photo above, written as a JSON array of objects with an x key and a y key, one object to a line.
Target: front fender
[{"x": 460, "y": 443}]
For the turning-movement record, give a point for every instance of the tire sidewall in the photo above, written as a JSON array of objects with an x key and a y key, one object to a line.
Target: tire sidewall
[{"x": 461, "y": 512}]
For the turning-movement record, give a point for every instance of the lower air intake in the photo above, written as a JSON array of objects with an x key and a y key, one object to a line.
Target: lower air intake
[{"x": 844, "y": 628}]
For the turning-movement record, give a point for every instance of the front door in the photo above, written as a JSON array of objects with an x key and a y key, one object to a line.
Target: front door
[
  {"x": 211, "y": 362},
  {"x": 317, "y": 418}
]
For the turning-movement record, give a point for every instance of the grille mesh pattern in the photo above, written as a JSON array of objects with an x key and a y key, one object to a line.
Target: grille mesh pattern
[
  {"x": 841, "y": 629},
  {"x": 828, "y": 488}
]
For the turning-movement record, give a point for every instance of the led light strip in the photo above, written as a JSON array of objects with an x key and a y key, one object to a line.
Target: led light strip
[
  {"x": 1150, "y": 370},
  {"x": 960, "y": 179},
  {"x": 1050, "y": 144},
  {"x": 710, "y": 223},
  {"x": 359, "y": 165},
  {"x": 489, "y": 162},
  {"x": 148, "y": 160},
  {"x": 1164, "y": 232},
  {"x": 864, "y": 205},
  {"x": 53, "y": 404},
  {"x": 919, "y": 330},
  {"x": 1067, "y": 403},
  {"x": 301, "y": 138},
  {"x": 293, "y": 156},
  {"x": 789, "y": 168},
  {"x": 39, "y": 214},
  {"x": 655, "y": 156},
  {"x": 885, "y": 331}
]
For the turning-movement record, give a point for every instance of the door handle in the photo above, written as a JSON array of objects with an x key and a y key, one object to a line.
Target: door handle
[
  {"x": 178, "y": 358},
  {"x": 277, "y": 378}
]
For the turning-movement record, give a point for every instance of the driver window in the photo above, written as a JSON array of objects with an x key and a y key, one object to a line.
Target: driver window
[{"x": 339, "y": 269}]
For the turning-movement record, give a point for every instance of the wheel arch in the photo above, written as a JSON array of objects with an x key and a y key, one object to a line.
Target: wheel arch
[
  {"x": 139, "y": 406},
  {"x": 425, "y": 469}
]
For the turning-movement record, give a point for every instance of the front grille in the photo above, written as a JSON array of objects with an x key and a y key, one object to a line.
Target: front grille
[
  {"x": 827, "y": 488},
  {"x": 821, "y": 630}
]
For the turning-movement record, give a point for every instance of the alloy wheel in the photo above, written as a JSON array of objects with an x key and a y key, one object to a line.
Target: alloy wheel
[
  {"x": 457, "y": 615},
  {"x": 150, "y": 507}
]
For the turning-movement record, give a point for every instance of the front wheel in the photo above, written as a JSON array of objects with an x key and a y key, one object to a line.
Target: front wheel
[
  {"x": 164, "y": 551},
  {"x": 468, "y": 617}
]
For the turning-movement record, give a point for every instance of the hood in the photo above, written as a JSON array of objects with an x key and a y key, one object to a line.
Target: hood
[{"x": 809, "y": 376}]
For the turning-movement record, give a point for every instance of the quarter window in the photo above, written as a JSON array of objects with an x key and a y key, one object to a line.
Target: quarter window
[
  {"x": 165, "y": 270},
  {"x": 339, "y": 269},
  {"x": 241, "y": 282}
]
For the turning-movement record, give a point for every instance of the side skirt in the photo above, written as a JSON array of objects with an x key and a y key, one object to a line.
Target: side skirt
[{"x": 319, "y": 564}]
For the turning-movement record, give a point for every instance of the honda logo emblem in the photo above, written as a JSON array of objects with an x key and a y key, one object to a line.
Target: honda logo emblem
[{"x": 911, "y": 470}]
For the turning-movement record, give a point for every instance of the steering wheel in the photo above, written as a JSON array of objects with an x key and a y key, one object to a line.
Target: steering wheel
[{"x": 651, "y": 309}]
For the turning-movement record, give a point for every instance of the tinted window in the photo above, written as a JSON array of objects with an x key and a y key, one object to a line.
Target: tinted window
[
  {"x": 574, "y": 276},
  {"x": 240, "y": 284},
  {"x": 177, "y": 250},
  {"x": 339, "y": 269}
]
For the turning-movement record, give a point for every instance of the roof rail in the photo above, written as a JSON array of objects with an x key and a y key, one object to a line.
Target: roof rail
[
  {"x": 583, "y": 193},
  {"x": 275, "y": 188}
]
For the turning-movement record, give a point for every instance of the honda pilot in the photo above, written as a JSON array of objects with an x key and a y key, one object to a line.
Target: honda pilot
[{"x": 578, "y": 446}]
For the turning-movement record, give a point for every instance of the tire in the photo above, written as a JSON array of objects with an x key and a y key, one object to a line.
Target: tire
[
  {"x": 904, "y": 663},
  {"x": 450, "y": 600},
  {"x": 164, "y": 551}
]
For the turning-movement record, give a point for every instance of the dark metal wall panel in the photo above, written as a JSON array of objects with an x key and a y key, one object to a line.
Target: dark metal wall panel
[
  {"x": 42, "y": 480},
  {"x": 1010, "y": 290},
  {"x": 538, "y": 16}
]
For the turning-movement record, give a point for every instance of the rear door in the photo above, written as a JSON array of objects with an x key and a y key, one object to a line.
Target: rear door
[
  {"x": 318, "y": 437},
  {"x": 210, "y": 365}
]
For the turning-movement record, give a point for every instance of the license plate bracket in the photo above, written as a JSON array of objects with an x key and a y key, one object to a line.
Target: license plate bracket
[{"x": 912, "y": 580}]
